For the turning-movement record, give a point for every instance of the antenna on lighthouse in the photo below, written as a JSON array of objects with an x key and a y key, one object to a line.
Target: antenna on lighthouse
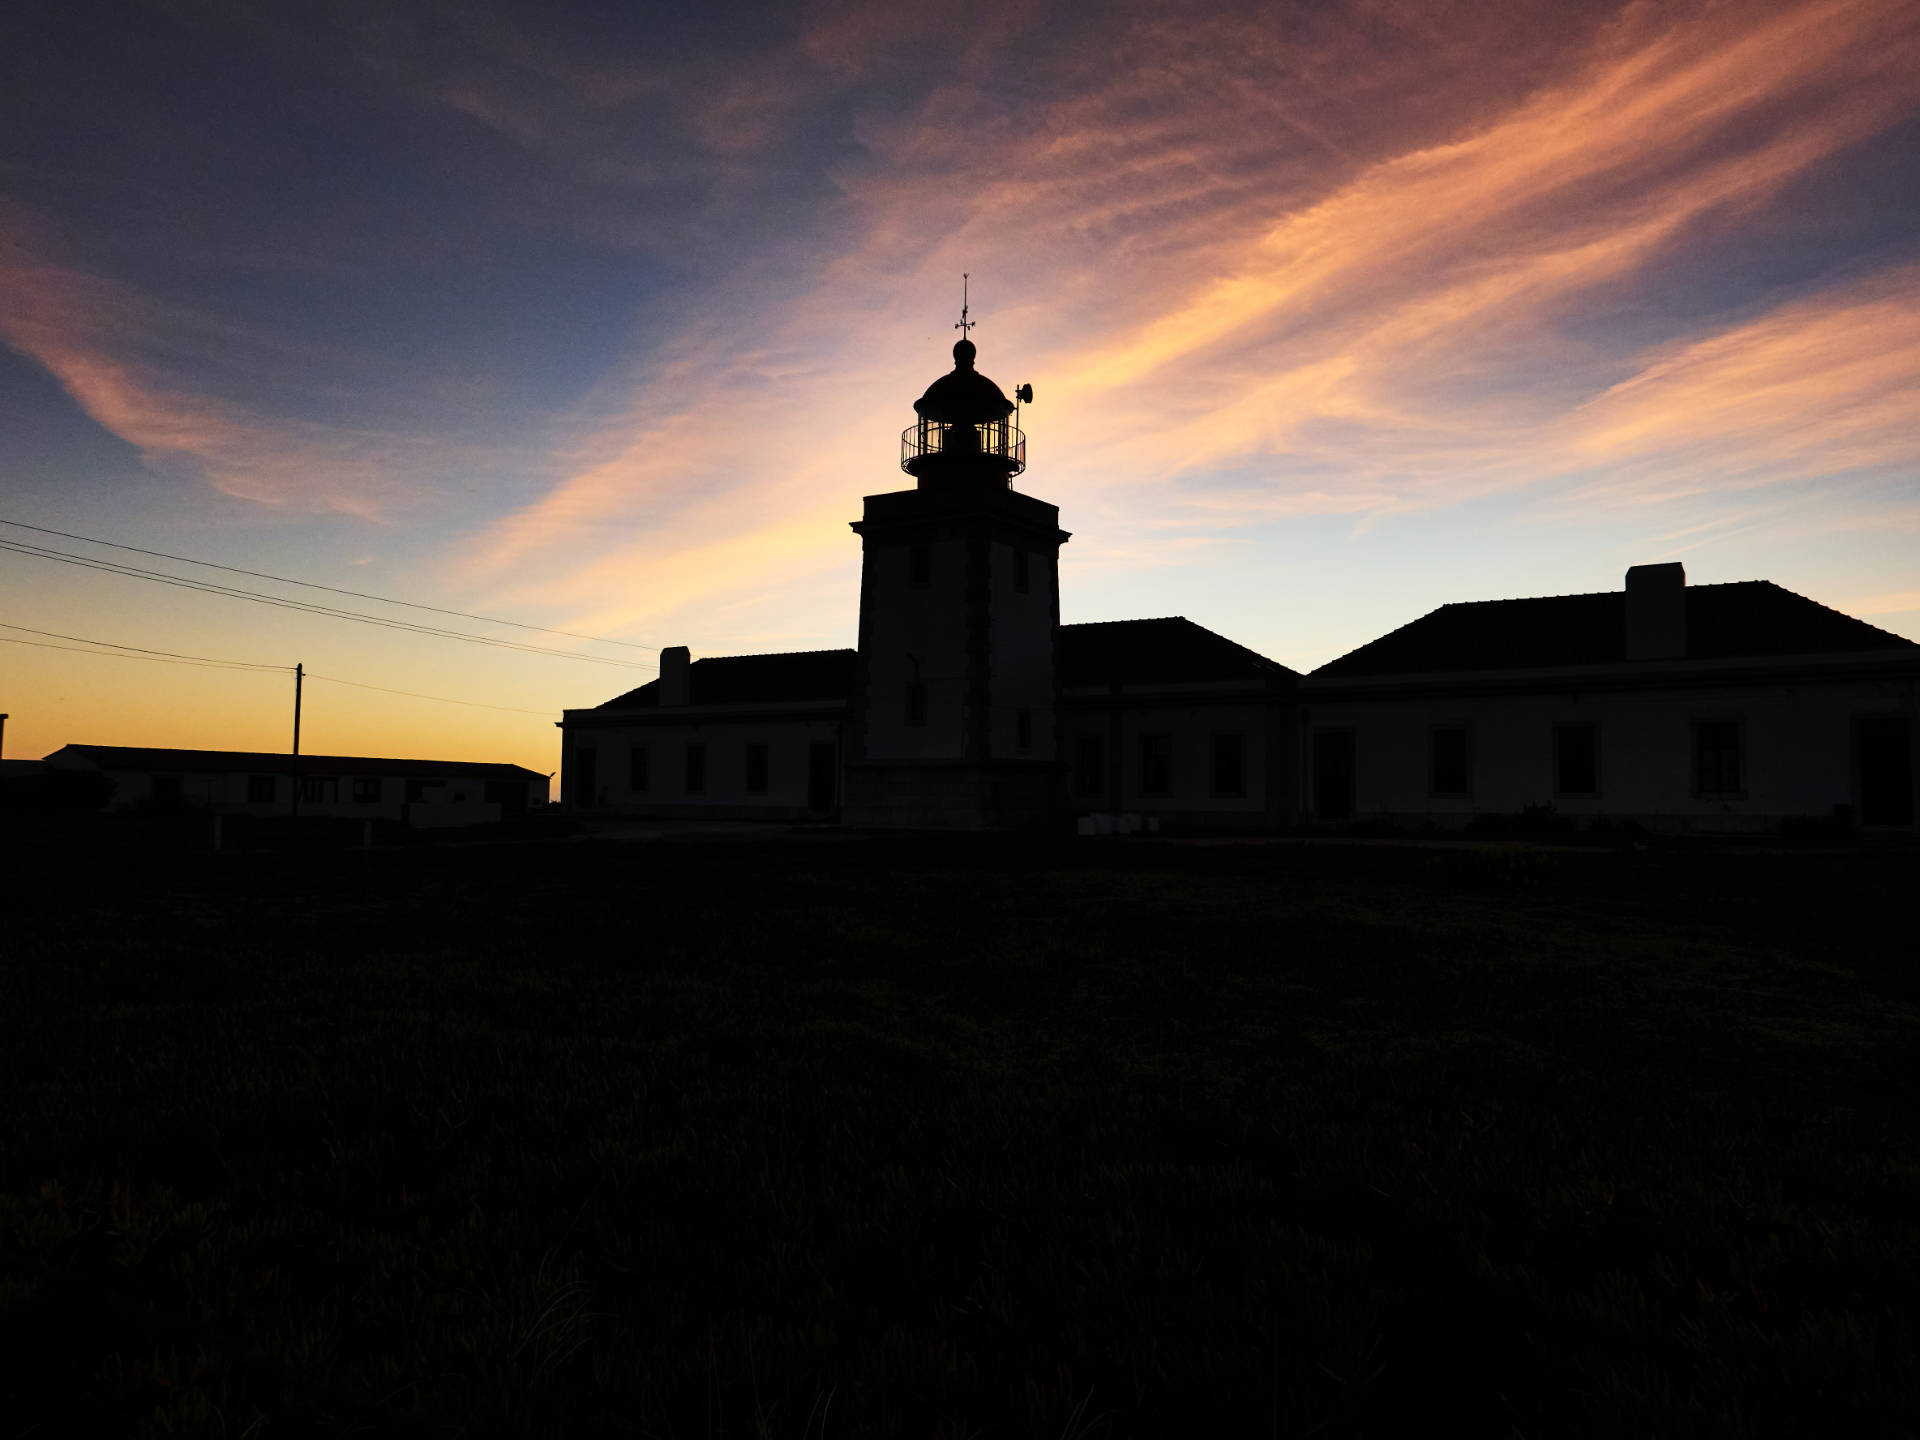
[{"x": 964, "y": 324}]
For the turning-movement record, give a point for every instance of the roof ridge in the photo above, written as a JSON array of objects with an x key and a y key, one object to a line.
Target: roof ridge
[
  {"x": 1831, "y": 610},
  {"x": 1524, "y": 599},
  {"x": 281, "y": 755},
  {"x": 778, "y": 654}
]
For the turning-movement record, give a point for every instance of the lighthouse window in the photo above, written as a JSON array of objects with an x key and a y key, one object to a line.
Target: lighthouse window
[
  {"x": 1020, "y": 571},
  {"x": 920, "y": 564}
]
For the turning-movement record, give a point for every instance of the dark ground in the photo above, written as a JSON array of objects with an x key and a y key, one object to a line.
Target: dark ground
[{"x": 838, "y": 1137}]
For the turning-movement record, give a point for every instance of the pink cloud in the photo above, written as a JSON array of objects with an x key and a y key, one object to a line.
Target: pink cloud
[
  {"x": 123, "y": 358},
  {"x": 1243, "y": 303}
]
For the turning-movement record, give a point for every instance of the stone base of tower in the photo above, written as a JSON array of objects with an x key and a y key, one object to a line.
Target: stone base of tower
[{"x": 955, "y": 795}]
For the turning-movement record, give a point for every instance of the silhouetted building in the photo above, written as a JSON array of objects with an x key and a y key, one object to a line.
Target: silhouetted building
[
  {"x": 1708, "y": 707},
  {"x": 1164, "y": 718},
  {"x": 425, "y": 792},
  {"x": 953, "y": 718},
  {"x": 967, "y": 703}
]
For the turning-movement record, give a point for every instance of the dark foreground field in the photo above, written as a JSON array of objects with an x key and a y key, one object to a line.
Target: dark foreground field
[{"x": 834, "y": 1137}]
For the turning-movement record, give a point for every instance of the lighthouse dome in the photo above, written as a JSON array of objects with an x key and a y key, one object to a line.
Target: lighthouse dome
[{"x": 963, "y": 396}]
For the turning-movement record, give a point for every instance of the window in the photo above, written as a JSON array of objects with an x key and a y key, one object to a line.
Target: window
[
  {"x": 1576, "y": 760},
  {"x": 366, "y": 790},
  {"x": 1023, "y": 730},
  {"x": 1156, "y": 763},
  {"x": 1020, "y": 575},
  {"x": 823, "y": 774},
  {"x": 1883, "y": 766},
  {"x": 1090, "y": 765},
  {"x": 168, "y": 789},
  {"x": 1230, "y": 763},
  {"x": 319, "y": 787},
  {"x": 920, "y": 565},
  {"x": 637, "y": 768},
  {"x": 417, "y": 789},
  {"x": 756, "y": 768},
  {"x": 1716, "y": 758},
  {"x": 1449, "y": 760},
  {"x": 1335, "y": 774},
  {"x": 262, "y": 789},
  {"x": 916, "y": 702},
  {"x": 696, "y": 769}
]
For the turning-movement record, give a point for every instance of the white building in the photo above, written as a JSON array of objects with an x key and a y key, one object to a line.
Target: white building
[
  {"x": 242, "y": 782},
  {"x": 968, "y": 705},
  {"x": 1716, "y": 708}
]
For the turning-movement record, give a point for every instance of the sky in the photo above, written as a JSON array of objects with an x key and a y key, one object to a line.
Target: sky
[{"x": 604, "y": 317}]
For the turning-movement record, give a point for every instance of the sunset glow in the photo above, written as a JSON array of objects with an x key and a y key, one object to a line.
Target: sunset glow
[{"x": 1334, "y": 315}]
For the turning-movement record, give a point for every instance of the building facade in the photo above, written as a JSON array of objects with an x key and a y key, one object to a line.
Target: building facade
[
  {"x": 967, "y": 704},
  {"x": 1708, "y": 709},
  {"x": 241, "y": 782}
]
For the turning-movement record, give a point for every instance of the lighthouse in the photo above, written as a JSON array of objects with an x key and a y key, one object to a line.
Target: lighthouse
[{"x": 953, "y": 719}]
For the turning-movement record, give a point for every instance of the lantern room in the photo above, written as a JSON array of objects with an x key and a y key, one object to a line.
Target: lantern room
[{"x": 965, "y": 435}]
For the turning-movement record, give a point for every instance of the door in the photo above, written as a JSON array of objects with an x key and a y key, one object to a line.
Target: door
[
  {"x": 1886, "y": 770},
  {"x": 823, "y": 765},
  {"x": 1333, "y": 774}
]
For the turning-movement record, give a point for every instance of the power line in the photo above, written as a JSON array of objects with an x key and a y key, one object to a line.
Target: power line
[
  {"x": 115, "y": 651},
  {"x": 315, "y": 585},
  {"x": 416, "y": 695},
  {"x": 116, "y": 655},
  {"x": 141, "y": 650},
  {"x": 114, "y": 567}
]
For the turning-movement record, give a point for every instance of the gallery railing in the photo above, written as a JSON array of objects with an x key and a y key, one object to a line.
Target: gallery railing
[{"x": 1000, "y": 439}]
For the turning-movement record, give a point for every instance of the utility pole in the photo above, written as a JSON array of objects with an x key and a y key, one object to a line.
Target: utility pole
[
  {"x": 299, "y": 675},
  {"x": 3, "y": 732}
]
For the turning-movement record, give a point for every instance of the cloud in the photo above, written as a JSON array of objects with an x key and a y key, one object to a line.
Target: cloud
[
  {"x": 1380, "y": 308},
  {"x": 1818, "y": 386},
  {"x": 1261, "y": 264},
  {"x": 125, "y": 359},
  {"x": 1262, "y": 272}
]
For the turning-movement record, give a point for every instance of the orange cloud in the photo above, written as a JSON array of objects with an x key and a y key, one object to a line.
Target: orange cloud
[
  {"x": 1822, "y": 385},
  {"x": 1234, "y": 317},
  {"x": 121, "y": 356}
]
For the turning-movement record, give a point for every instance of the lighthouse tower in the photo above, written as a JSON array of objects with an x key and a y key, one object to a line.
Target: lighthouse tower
[{"x": 954, "y": 710}]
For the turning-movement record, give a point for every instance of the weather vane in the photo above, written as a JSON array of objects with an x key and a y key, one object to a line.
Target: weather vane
[{"x": 964, "y": 324}]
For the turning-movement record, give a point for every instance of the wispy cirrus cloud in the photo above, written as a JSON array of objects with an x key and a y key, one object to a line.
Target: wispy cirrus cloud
[
  {"x": 1826, "y": 384},
  {"x": 1244, "y": 305},
  {"x": 151, "y": 373},
  {"x": 1263, "y": 264},
  {"x": 1373, "y": 323}
]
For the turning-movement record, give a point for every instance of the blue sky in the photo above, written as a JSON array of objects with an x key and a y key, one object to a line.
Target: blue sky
[{"x": 605, "y": 317}]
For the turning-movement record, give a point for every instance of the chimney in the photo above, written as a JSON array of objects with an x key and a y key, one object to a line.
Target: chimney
[
  {"x": 674, "y": 663},
  {"x": 1657, "y": 612}
]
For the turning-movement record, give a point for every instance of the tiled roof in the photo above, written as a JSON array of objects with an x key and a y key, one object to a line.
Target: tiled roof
[
  {"x": 1128, "y": 652},
  {"x": 140, "y": 757},
  {"x": 755, "y": 679},
  {"x": 1745, "y": 619},
  {"x": 1168, "y": 651}
]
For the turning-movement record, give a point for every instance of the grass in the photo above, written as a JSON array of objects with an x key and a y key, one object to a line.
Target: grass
[{"x": 841, "y": 1137}]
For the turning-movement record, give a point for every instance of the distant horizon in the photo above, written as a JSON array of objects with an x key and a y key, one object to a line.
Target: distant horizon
[{"x": 605, "y": 323}]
